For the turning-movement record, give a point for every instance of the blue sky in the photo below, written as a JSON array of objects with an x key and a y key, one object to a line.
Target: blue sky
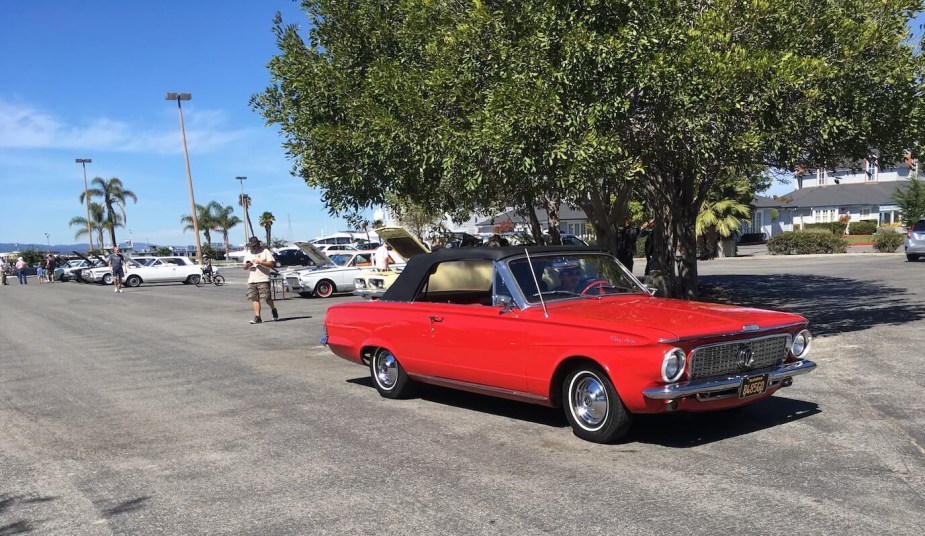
[{"x": 87, "y": 80}]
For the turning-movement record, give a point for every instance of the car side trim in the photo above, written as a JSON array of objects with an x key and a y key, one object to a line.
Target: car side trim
[
  {"x": 675, "y": 340},
  {"x": 482, "y": 389},
  {"x": 683, "y": 390}
]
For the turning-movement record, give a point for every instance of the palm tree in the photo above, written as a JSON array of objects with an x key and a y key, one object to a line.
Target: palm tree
[
  {"x": 203, "y": 218},
  {"x": 244, "y": 201},
  {"x": 113, "y": 196},
  {"x": 97, "y": 223},
  {"x": 719, "y": 220},
  {"x": 225, "y": 219},
  {"x": 266, "y": 221}
]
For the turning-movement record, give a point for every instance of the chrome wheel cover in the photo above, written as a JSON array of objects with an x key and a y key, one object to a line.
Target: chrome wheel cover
[
  {"x": 386, "y": 370},
  {"x": 588, "y": 401}
]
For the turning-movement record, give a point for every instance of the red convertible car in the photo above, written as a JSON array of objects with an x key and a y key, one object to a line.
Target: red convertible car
[{"x": 565, "y": 327}]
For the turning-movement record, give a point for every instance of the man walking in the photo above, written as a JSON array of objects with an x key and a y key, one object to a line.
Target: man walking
[
  {"x": 116, "y": 262},
  {"x": 21, "y": 271},
  {"x": 258, "y": 261},
  {"x": 3, "y": 272}
]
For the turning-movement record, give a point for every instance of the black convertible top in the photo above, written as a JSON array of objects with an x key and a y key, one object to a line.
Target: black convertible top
[{"x": 406, "y": 286}]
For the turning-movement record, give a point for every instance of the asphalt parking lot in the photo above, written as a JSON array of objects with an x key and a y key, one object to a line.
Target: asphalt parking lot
[{"x": 162, "y": 411}]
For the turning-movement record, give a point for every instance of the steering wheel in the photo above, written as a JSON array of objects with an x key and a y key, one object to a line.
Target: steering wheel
[{"x": 597, "y": 283}]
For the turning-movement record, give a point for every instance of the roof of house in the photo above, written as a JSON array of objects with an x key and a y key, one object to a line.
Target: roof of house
[{"x": 870, "y": 193}]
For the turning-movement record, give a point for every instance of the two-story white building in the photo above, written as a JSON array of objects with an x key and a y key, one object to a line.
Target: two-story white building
[{"x": 824, "y": 196}]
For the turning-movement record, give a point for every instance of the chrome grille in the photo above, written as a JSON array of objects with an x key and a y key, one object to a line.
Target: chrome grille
[{"x": 727, "y": 358}]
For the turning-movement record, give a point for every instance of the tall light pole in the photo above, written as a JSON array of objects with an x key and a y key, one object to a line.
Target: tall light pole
[
  {"x": 84, "y": 162},
  {"x": 189, "y": 176},
  {"x": 243, "y": 208},
  {"x": 48, "y": 242}
]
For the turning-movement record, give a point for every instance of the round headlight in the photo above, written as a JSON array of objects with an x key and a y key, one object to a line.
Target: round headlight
[
  {"x": 800, "y": 346},
  {"x": 673, "y": 365}
]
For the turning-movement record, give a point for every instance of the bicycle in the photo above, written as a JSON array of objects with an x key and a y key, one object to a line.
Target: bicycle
[{"x": 213, "y": 278}]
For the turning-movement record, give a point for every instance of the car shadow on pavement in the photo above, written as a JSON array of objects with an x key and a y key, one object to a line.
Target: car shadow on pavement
[
  {"x": 482, "y": 403},
  {"x": 832, "y": 304},
  {"x": 676, "y": 430},
  {"x": 685, "y": 430}
]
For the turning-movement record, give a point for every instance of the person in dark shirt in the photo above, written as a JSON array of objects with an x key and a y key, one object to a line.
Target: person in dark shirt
[{"x": 116, "y": 262}]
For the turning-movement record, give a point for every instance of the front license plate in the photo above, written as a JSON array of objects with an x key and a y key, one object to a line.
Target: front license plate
[{"x": 753, "y": 385}]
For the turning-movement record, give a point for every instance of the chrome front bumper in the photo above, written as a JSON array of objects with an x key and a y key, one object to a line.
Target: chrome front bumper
[{"x": 684, "y": 390}]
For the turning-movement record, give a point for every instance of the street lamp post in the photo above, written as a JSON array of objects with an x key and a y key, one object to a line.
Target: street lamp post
[
  {"x": 84, "y": 162},
  {"x": 243, "y": 208},
  {"x": 48, "y": 242},
  {"x": 189, "y": 176}
]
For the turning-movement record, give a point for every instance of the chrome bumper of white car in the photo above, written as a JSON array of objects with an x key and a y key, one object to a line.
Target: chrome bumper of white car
[{"x": 710, "y": 389}]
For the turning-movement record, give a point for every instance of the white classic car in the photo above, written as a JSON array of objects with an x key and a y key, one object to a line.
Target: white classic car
[
  {"x": 373, "y": 283},
  {"x": 151, "y": 270},
  {"x": 331, "y": 274}
]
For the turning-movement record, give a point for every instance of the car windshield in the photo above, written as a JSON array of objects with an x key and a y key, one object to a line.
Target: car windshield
[
  {"x": 342, "y": 259},
  {"x": 571, "y": 276}
]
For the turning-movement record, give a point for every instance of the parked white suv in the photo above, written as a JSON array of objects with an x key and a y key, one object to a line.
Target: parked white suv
[{"x": 915, "y": 241}]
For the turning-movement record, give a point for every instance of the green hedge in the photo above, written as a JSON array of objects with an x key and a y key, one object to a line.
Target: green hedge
[
  {"x": 791, "y": 243},
  {"x": 887, "y": 240},
  {"x": 830, "y": 227},
  {"x": 862, "y": 227}
]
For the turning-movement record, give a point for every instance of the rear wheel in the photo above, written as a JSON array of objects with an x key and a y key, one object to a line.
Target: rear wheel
[
  {"x": 324, "y": 288},
  {"x": 388, "y": 375},
  {"x": 593, "y": 407},
  {"x": 219, "y": 280},
  {"x": 912, "y": 258},
  {"x": 132, "y": 281},
  {"x": 107, "y": 279}
]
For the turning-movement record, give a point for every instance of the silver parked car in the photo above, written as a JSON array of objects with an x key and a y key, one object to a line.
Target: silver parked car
[{"x": 915, "y": 241}]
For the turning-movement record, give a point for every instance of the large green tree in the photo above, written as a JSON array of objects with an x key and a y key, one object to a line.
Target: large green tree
[
  {"x": 463, "y": 105},
  {"x": 113, "y": 196}
]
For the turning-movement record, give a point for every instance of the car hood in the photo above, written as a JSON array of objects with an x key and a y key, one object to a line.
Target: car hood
[
  {"x": 316, "y": 255},
  {"x": 674, "y": 319},
  {"x": 403, "y": 242}
]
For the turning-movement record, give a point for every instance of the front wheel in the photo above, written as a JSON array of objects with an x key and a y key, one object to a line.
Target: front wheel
[
  {"x": 107, "y": 279},
  {"x": 912, "y": 258},
  {"x": 132, "y": 281},
  {"x": 388, "y": 375},
  {"x": 324, "y": 289},
  {"x": 592, "y": 406},
  {"x": 193, "y": 279},
  {"x": 219, "y": 280}
]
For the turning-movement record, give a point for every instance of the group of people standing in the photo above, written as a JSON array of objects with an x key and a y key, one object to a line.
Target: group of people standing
[{"x": 45, "y": 272}]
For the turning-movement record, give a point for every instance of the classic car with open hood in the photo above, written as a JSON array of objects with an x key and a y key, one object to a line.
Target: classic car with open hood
[
  {"x": 565, "y": 327},
  {"x": 334, "y": 273},
  {"x": 373, "y": 283}
]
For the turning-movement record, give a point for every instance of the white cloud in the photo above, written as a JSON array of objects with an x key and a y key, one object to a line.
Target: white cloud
[{"x": 24, "y": 127}]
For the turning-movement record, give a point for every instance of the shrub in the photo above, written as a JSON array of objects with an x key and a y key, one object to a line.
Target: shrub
[
  {"x": 790, "y": 243},
  {"x": 833, "y": 227},
  {"x": 863, "y": 227},
  {"x": 887, "y": 241}
]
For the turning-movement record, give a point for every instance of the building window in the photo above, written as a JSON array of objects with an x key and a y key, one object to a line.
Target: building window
[
  {"x": 865, "y": 213},
  {"x": 824, "y": 215}
]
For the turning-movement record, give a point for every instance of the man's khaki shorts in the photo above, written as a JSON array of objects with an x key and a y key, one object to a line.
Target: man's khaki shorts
[{"x": 258, "y": 291}]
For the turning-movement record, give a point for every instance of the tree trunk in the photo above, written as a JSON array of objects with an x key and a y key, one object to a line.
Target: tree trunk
[
  {"x": 535, "y": 228},
  {"x": 553, "y": 200}
]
